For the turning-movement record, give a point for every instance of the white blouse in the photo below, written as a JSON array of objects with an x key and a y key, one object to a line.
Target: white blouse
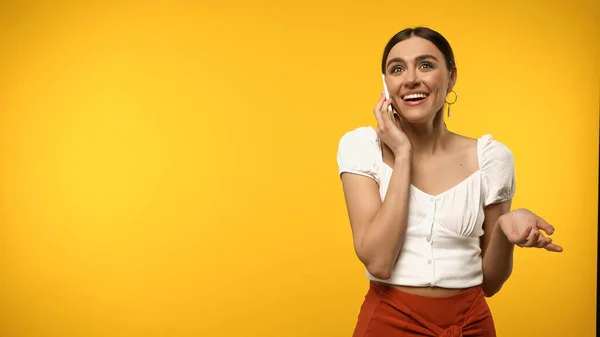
[{"x": 442, "y": 242}]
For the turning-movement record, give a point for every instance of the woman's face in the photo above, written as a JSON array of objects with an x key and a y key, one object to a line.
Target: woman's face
[{"x": 418, "y": 79}]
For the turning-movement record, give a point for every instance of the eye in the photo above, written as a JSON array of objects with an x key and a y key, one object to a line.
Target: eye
[
  {"x": 396, "y": 69},
  {"x": 426, "y": 65}
]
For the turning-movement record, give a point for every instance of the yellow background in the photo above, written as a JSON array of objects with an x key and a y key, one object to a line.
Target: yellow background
[{"x": 168, "y": 169}]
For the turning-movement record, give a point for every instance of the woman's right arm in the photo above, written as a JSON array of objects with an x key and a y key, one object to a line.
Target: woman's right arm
[{"x": 378, "y": 228}]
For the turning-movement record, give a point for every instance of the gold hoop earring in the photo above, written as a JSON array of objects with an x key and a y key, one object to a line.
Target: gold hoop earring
[{"x": 450, "y": 103}]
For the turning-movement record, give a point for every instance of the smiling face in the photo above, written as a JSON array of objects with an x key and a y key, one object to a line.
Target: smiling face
[{"x": 418, "y": 79}]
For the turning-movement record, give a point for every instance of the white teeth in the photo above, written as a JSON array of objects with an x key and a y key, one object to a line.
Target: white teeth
[{"x": 412, "y": 96}]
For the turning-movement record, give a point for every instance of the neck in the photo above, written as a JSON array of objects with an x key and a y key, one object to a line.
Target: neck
[{"x": 429, "y": 138}]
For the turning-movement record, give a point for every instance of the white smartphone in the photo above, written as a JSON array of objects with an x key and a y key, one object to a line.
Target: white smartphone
[{"x": 387, "y": 96}]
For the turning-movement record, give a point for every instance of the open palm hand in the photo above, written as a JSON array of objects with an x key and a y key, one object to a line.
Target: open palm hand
[{"x": 523, "y": 228}]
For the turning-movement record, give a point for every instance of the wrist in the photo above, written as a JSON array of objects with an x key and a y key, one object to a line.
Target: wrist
[
  {"x": 402, "y": 156},
  {"x": 500, "y": 232}
]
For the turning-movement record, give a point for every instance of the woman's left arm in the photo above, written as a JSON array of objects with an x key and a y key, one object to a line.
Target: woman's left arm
[
  {"x": 503, "y": 229},
  {"x": 496, "y": 249}
]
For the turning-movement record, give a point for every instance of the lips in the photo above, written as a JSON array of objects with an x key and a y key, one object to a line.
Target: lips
[{"x": 415, "y": 98}]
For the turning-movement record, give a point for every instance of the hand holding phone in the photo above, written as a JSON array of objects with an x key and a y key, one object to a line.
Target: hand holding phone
[{"x": 392, "y": 136}]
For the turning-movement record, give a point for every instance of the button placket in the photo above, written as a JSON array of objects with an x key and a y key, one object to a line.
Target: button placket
[{"x": 430, "y": 220}]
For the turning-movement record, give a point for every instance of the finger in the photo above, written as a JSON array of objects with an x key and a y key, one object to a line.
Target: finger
[
  {"x": 546, "y": 227},
  {"x": 385, "y": 110},
  {"x": 553, "y": 248},
  {"x": 379, "y": 103},
  {"x": 533, "y": 238},
  {"x": 530, "y": 237},
  {"x": 543, "y": 241},
  {"x": 383, "y": 116},
  {"x": 377, "y": 109}
]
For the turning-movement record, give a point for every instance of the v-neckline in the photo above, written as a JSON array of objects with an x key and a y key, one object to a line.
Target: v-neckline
[
  {"x": 441, "y": 194},
  {"x": 448, "y": 190}
]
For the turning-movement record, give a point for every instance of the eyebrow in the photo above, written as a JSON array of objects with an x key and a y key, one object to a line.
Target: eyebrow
[{"x": 418, "y": 59}]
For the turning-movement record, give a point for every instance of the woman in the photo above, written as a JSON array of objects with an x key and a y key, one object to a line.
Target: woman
[{"x": 429, "y": 209}]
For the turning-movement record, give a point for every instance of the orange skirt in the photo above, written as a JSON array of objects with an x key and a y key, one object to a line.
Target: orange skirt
[{"x": 390, "y": 312}]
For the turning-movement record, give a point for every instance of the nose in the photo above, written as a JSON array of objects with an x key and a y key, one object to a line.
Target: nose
[{"x": 412, "y": 78}]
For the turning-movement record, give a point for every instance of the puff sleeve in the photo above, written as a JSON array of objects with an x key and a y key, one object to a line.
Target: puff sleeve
[
  {"x": 358, "y": 152},
  {"x": 497, "y": 166}
]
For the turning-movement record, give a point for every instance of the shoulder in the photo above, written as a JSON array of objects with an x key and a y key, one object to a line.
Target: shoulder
[
  {"x": 497, "y": 164},
  {"x": 359, "y": 152},
  {"x": 492, "y": 152},
  {"x": 360, "y": 135},
  {"x": 361, "y": 141}
]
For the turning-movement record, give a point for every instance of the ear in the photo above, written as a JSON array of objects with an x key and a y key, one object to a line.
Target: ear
[{"x": 452, "y": 80}]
